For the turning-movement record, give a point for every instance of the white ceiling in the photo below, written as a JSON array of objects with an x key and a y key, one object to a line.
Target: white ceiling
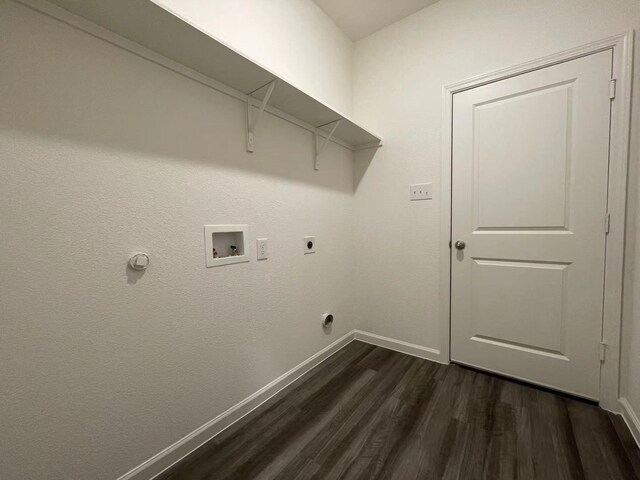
[{"x": 359, "y": 18}]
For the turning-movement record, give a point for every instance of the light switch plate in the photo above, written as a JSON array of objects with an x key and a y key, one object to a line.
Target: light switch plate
[
  {"x": 263, "y": 248},
  {"x": 420, "y": 191}
]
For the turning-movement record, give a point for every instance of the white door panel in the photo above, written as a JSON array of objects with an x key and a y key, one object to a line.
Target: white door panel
[
  {"x": 533, "y": 180},
  {"x": 530, "y": 168}
]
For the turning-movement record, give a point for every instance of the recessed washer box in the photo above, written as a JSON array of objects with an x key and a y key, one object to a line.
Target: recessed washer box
[{"x": 223, "y": 238}]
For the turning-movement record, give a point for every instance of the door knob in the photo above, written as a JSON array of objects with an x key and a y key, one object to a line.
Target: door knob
[{"x": 460, "y": 245}]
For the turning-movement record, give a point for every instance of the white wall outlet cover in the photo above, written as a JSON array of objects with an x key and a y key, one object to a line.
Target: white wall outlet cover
[
  {"x": 420, "y": 191},
  {"x": 263, "y": 248},
  {"x": 309, "y": 245}
]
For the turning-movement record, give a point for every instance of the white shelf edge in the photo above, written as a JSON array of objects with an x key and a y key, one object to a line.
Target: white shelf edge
[
  {"x": 255, "y": 62},
  {"x": 82, "y": 24}
]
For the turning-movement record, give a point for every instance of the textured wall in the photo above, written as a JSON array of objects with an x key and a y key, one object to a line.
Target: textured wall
[
  {"x": 630, "y": 373},
  {"x": 398, "y": 78},
  {"x": 104, "y": 154},
  {"x": 292, "y": 38}
]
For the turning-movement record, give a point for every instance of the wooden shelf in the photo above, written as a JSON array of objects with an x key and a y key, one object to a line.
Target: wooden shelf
[{"x": 151, "y": 26}]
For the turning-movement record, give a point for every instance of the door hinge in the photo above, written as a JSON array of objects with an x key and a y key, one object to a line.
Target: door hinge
[
  {"x": 603, "y": 349},
  {"x": 607, "y": 223},
  {"x": 612, "y": 89}
]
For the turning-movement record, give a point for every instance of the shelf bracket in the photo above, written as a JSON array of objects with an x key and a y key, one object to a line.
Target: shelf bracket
[
  {"x": 253, "y": 117},
  {"x": 319, "y": 147}
]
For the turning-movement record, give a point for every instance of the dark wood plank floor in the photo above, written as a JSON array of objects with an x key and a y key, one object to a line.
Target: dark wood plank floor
[{"x": 371, "y": 413}]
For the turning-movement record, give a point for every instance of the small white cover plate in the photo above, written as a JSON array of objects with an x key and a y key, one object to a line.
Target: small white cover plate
[{"x": 313, "y": 247}]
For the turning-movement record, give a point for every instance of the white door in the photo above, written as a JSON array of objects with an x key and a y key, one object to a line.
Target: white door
[{"x": 529, "y": 200}]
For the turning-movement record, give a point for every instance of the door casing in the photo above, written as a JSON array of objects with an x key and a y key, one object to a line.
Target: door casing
[{"x": 622, "y": 47}]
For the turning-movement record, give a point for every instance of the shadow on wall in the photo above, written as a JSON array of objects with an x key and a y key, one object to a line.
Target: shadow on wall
[
  {"x": 69, "y": 85},
  {"x": 361, "y": 161},
  {"x": 133, "y": 275}
]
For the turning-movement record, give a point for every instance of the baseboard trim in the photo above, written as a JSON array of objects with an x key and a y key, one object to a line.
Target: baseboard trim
[
  {"x": 183, "y": 447},
  {"x": 399, "y": 346},
  {"x": 631, "y": 419}
]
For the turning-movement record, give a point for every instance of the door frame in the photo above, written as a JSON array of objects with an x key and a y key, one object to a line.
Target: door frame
[{"x": 622, "y": 46}]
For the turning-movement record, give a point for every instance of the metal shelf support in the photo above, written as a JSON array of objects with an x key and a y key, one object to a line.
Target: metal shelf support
[
  {"x": 253, "y": 116},
  {"x": 320, "y": 147}
]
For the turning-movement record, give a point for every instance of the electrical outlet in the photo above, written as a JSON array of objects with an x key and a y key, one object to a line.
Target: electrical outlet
[
  {"x": 309, "y": 245},
  {"x": 420, "y": 191},
  {"x": 263, "y": 248}
]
